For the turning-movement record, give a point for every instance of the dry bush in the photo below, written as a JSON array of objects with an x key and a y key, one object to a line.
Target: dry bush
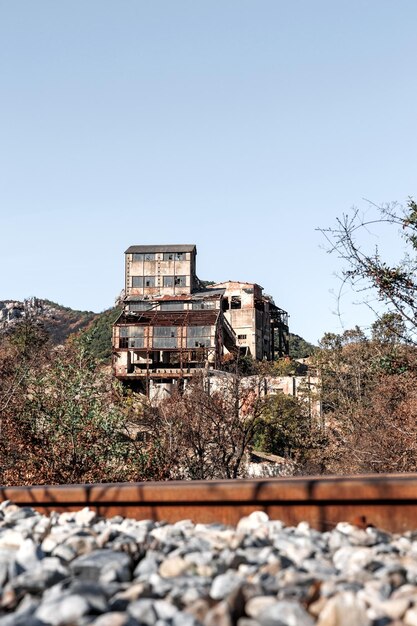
[
  {"x": 205, "y": 434},
  {"x": 370, "y": 402}
]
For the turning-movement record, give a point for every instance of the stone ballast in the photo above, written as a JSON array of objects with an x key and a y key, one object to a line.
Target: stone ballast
[{"x": 78, "y": 569}]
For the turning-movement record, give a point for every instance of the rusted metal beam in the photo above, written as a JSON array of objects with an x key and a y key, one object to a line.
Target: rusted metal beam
[{"x": 387, "y": 501}]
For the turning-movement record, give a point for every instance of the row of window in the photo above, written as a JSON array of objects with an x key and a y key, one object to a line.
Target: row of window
[
  {"x": 150, "y": 256},
  {"x": 164, "y": 337},
  {"x": 168, "y": 281},
  {"x": 172, "y": 306},
  {"x": 164, "y": 331}
]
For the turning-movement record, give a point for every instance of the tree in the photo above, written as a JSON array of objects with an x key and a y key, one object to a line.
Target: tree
[
  {"x": 369, "y": 403},
  {"x": 368, "y": 383},
  {"x": 25, "y": 345},
  {"x": 74, "y": 425},
  {"x": 299, "y": 347},
  {"x": 379, "y": 280},
  {"x": 23, "y": 348},
  {"x": 207, "y": 431},
  {"x": 285, "y": 429},
  {"x": 99, "y": 334},
  {"x": 283, "y": 366},
  {"x": 62, "y": 420}
]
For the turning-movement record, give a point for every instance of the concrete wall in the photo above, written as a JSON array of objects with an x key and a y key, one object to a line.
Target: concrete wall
[{"x": 252, "y": 326}]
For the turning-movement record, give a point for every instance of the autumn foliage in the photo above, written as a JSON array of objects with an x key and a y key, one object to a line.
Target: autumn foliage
[
  {"x": 369, "y": 403},
  {"x": 59, "y": 420},
  {"x": 64, "y": 419}
]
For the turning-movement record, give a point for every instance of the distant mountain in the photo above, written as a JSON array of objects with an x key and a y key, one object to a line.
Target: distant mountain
[{"x": 59, "y": 321}]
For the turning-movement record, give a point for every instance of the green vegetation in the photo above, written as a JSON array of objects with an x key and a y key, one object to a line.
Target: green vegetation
[
  {"x": 299, "y": 347},
  {"x": 285, "y": 429},
  {"x": 73, "y": 313},
  {"x": 63, "y": 418},
  {"x": 99, "y": 334}
]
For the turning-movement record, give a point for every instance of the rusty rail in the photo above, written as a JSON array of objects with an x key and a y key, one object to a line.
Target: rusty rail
[{"x": 387, "y": 501}]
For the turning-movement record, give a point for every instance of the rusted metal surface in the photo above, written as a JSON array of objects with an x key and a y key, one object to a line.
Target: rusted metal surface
[
  {"x": 387, "y": 501},
  {"x": 170, "y": 318}
]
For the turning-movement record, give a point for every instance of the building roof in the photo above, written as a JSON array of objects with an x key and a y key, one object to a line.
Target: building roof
[
  {"x": 158, "y": 248},
  {"x": 238, "y": 283},
  {"x": 208, "y": 293},
  {"x": 170, "y": 318}
]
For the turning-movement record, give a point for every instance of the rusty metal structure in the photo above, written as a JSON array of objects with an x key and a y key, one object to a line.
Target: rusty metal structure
[
  {"x": 385, "y": 501},
  {"x": 172, "y": 326}
]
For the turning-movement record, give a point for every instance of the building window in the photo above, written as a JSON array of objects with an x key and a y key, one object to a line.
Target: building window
[
  {"x": 180, "y": 281},
  {"x": 208, "y": 304},
  {"x": 241, "y": 337},
  {"x": 236, "y": 302},
  {"x": 137, "y": 281},
  {"x": 198, "y": 336},
  {"x": 174, "y": 256},
  {"x": 168, "y": 281},
  {"x": 140, "y": 306},
  {"x": 171, "y": 306},
  {"x": 165, "y": 331},
  {"x": 137, "y": 258},
  {"x": 131, "y": 337},
  {"x": 165, "y": 337},
  {"x": 149, "y": 256},
  {"x": 149, "y": 281}
]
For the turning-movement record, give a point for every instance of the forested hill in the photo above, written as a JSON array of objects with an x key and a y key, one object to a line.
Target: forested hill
[
  {"x": 60, "y": 322},
  {"x": 57, "y": 320},
  {"x": 299, "y": 347}
]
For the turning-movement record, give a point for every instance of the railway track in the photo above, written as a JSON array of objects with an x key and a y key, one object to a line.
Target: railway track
[{"x": 386, "y": 501}]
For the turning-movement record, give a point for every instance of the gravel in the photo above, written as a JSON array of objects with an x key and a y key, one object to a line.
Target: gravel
[{"x": 75, "y": 569}]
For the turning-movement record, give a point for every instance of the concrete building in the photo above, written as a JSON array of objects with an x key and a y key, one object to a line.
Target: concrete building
[
  {"x": 256, "y": 320},
  {"x": 160, "y": 270},
  {"x": 172, "y": 326}
]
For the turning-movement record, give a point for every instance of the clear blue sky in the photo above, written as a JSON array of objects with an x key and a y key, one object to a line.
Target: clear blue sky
[{"x": 237, "y": 125}]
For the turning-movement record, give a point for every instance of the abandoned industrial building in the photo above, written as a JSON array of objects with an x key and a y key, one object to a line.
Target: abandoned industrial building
[{"x": 172, "y": 325}]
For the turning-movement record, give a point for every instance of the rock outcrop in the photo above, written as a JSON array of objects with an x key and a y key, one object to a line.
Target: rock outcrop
[{"x": 57, "y": 320}]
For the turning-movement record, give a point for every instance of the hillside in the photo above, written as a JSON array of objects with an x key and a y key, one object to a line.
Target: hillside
[
  {"x": 299, "y": 347},
  {"x": 60, "y": 322},
  {"x": 99, "y": 332}
]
